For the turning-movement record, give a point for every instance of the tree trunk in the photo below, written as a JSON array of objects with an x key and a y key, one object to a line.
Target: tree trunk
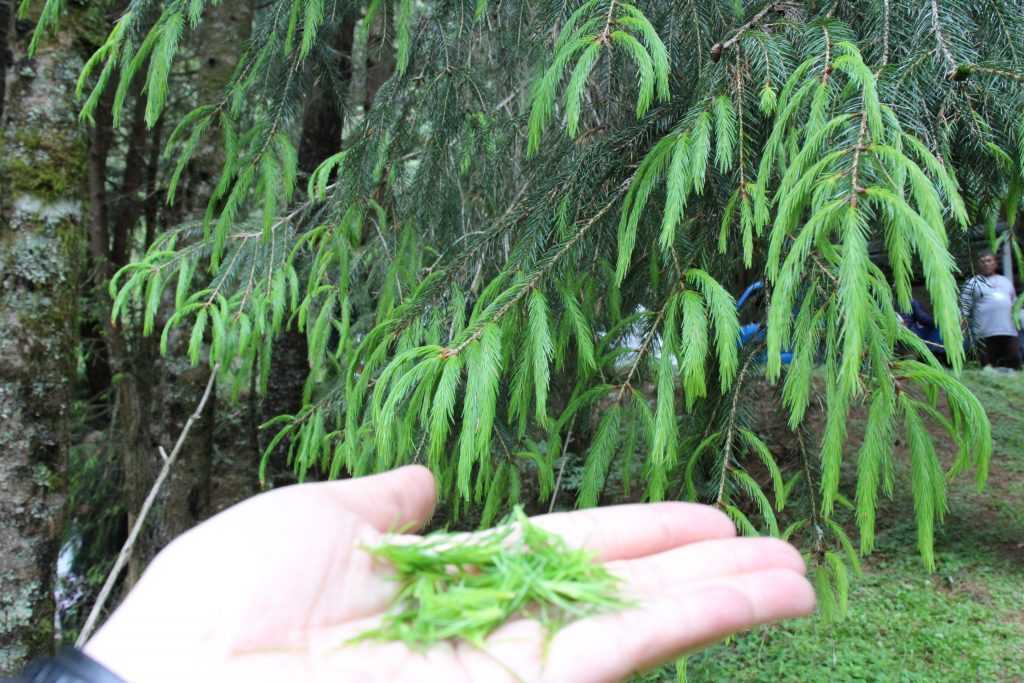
[{"x": 42, "y": 183}]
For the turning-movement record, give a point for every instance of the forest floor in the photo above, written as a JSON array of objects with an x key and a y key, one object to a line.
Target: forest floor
[{"x": 965, "y": 622}]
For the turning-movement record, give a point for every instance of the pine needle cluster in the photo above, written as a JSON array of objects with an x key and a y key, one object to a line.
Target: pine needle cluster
[{"x": 464, "y": 586}]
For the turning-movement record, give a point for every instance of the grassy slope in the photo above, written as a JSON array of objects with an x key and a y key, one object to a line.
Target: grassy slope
[{"x": 963, "y": 623}]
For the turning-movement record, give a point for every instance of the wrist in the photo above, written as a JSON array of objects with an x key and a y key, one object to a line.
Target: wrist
[
  {"x": 141, "y": 651},
  {"x": 120, "y": 657},
  {"x": 144, "y": 645},
  {"x": 152, "y": 638},
  {"x": 152, "y": 634}
]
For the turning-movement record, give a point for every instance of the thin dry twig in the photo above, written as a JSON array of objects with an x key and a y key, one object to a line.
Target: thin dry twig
[
  {"x": 561, "y": 468},
  {"x": 129, "y": 544}
]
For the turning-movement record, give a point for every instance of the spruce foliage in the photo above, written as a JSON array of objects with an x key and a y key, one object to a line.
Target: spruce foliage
[
  {"x": 464, "y": 586},
  {"x": 527, "y": 249}
]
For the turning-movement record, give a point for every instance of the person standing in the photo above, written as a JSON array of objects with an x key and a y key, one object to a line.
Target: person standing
[{"x": 986, "y": 301}]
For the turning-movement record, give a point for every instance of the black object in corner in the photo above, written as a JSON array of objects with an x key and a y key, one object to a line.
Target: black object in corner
[{"x": 67, "y": 666}]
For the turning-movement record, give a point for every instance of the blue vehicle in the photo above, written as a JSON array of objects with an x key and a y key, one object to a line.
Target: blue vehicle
[
  {"x": 917, "y": 320},
  {"x": 754, "y": 332},
  {"x": 921, "y": 323}
]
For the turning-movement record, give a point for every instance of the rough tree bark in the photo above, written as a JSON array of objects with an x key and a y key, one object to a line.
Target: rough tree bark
[{"x": 41, "y": 204}]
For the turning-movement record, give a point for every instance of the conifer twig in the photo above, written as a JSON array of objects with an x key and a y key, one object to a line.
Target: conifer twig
[
  {"x": 966, "y": 70},
  {"x": 718, "y": 48},
  {"x": 819, "y": 533},
  {"x": 561, "y": 468},
  {"x": 739, "y": 120},
  {"x": 941, "y": 39},
  {"x": 824, "y": 269},
  {"x": 640, "y": 352},
  {"x": 827, "y": 63},
  {"x": 140, "y": 520},
  {"x": 885, "y": 32},
  {"x": 855, "y": 187},
  {"x": 449, "y": 351},
  {"x": 732, "y": 425},
  {"x": 608, "y": 23}
]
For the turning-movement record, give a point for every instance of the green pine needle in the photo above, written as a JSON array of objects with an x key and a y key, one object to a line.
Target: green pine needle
[{"x": 459, "y": 586}]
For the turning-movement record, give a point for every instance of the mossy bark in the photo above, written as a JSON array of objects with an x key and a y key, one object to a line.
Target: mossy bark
[{"x": 41, "y": 204}]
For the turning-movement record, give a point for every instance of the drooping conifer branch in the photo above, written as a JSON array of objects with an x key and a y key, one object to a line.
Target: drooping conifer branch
[
  {"x": 523, "y": 289},
  {"x": 450, "y": 284}
]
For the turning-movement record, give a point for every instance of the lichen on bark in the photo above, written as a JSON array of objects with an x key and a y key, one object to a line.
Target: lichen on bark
[{"x": 41, "y": 182}]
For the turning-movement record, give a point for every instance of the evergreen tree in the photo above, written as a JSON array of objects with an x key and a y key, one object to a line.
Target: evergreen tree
[{"x": 532, "y": 240}]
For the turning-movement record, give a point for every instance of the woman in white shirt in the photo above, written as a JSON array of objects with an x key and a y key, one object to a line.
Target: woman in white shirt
[{"x": 987, "y": 302}]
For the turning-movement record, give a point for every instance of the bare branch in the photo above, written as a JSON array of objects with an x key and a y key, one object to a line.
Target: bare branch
[
  {"x": 129, "y": 544},
  {"x": 561, "y": 468}
]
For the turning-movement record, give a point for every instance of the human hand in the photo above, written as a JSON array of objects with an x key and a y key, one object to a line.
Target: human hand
[{"x": 273, "y": 588}]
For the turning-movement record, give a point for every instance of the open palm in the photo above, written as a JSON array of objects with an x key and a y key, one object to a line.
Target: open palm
[{"x": 273, "y": 588}]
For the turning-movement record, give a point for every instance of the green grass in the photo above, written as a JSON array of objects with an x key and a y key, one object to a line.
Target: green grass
[{"x": 965, "y": 622}]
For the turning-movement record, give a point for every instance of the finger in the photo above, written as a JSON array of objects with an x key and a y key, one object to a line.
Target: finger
[
  {"x": 623, "y": 532},
  {"x": 611, "y": 647},
  {"x": 399, "y": 500},
  {"x": 652, "y": 576}
]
